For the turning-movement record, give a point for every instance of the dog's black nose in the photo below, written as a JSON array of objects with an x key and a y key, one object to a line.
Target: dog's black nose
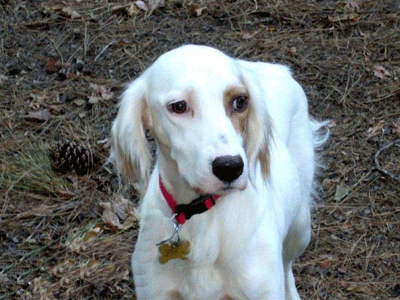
[{"x": 228, "y": 168}]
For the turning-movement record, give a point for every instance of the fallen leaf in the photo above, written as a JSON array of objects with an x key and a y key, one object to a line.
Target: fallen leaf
[
  {"x": 3, "y": 78},
  {"x": 79, "y": 243},
  {"x": 377, "y": 129},
  {"x": 70, "y": 12},
  {"x": 101, "y": 142},
  {"x": 332, "y": 124},
  {"x": 79, "y": 102},
  {"x": 91, "y": 234},
  {"x": 110, "y": 218},
  {"x": 381, "y": 72},
  {"x": 325, "y": 264},
  {"x": 100, "y": 92},
  {"x": 120, "y": 213},
  {"x": 94, "y": 99},
  {"x": 4, "y": 279},
  {"x": 38, "y": 99},
  {"x": 200, "y": 10},
  {"x": 344, "y": 19},
  {"x": 132, "y": 10},
  {"x": 396, "y": 128},
  {"x": 248, "y": 36},
  {"x": 39, "y": 116},
  {"x": 51, "y": 65},
  {"x": 341, "y": 192},
  {"x": 142, "y": 5},
  {"x": 154, "y": 4},
  {"x": 86, "y": 269},
  {"x": 349, "y": 6},
  {"x": 62, "y": 267},
  {"x": 359, "y": 288}
]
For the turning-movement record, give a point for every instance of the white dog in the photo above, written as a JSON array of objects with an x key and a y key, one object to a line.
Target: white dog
[{"x": 226, "y": 209}]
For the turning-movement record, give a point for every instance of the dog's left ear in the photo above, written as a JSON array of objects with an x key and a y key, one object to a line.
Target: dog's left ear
[
  {"x": 130, "y": 150},
  {"x": 258, "y": 130}
]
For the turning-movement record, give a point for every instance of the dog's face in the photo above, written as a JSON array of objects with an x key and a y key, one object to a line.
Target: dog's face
[{"x": 197, "y": 104}]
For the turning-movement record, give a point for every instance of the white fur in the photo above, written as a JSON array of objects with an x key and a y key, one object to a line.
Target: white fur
[{"x": 244, "y": 247}]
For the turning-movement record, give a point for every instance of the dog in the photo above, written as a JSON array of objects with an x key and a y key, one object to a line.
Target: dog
[{"x": 225, "y": 210}]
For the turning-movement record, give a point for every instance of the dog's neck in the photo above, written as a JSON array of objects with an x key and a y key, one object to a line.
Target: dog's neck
[{"x": 174, "y": 183}]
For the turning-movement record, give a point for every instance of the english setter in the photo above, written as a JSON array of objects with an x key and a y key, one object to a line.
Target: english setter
[{"x": 226, "y": 209}]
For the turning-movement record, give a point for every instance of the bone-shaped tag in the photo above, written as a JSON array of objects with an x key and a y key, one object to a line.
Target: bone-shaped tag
[{"x": 173, "y": 251}]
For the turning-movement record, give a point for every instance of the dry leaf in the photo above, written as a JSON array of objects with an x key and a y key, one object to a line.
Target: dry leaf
[
  {"x": 79, "y": 102},
  {"x": 3, "y": 78},
  {"x": 38, "y": 99},
  {"x": 102, "y": 142},
  {"x": 332, "y": 124},
  {"x": 42, "y": 287},
  {"x": 381, "y": 72},
  {"x": 199, "y": 11},
  {"x": 120, "y": 213},
  {"x": 94, "y": 99},
  {"x": 69, "y": 12},
  {"x": 132, "y": 10},
  {"x": 349, "y": 6},
  {"x": 100, "y": 92},
  {"x": 248, "y": 36},
  {"x": 92, "y": 234},
  {"x": 51, "y": 65},
  {"x": 396, "y": 128},
  {"x": 359, "y": 288},
  {"x": 39, "y": 116},
  {"x": 341, "y": 192},
  {"x": 4, "y": 279},
  {"x": 62, "y": 267},
  {"x": 344, "y": 19},
  {"x": 154, "y": 4},
  {"x": 325, "y": 264},
  {"x": 87, "y": 269},
  {"x": 111, "y": 219},
  {"x": 79, "y": 243},
  {"x": 142, "y": 5},
  {"x": 377, "y": 129}
]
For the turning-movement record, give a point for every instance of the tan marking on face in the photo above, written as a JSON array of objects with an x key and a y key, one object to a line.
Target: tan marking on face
[{"x": 238, "y": 119}]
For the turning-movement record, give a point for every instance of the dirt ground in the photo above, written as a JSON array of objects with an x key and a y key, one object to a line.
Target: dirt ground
[{"x": 63, "y": 65}]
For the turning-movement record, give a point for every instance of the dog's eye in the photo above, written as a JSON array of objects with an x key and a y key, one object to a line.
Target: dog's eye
[
  {"x": 240, "y": 103},
  {"x": 178, "y": 107}
]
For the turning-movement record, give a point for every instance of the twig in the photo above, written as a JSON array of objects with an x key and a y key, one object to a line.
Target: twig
[
  {"x": 104, "y": 49},
  {"x": 85, "y": 41},
  {"x": 378, "y": 165}
]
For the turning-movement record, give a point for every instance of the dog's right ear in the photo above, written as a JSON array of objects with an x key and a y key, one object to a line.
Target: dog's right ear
[{"x": 130, "y": 150}]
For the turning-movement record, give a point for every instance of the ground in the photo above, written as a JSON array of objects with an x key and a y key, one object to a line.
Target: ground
[{"x": 63, "y": 65}]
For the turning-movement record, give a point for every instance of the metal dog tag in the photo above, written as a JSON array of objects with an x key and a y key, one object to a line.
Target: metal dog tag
[{"x": 178, "y": 250}]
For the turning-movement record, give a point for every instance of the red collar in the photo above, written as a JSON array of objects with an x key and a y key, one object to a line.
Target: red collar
[{"x": 184, "y": 212}]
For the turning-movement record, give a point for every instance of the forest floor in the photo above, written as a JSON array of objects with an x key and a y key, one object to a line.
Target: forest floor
[{"x": 63, "y": 65}]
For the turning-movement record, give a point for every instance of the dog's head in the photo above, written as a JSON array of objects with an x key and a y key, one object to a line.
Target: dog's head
[{"x": 204, "y": 110}]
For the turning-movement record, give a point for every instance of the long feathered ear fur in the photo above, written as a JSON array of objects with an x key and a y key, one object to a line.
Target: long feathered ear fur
[
  {"x": 257, "y": 137},
  {"x": 130, "y": 150}
]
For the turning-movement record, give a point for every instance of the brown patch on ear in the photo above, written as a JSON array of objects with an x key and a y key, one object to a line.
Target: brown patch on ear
[
  {"x": 263, "y": 156},
  {"x": 146, "y": 117},
  {"x": 124, "y": 163},
  {"x": 257, "y": 138},
  {"x": 238, "y": 119}
]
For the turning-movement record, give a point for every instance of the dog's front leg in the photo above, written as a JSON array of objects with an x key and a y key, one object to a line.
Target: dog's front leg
[
  {"x": 258, "y": 271},
  {"x": 152, "y": 280}
]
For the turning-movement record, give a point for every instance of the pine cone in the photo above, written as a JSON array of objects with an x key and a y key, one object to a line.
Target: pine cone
[{"x": 70, "y": 157}]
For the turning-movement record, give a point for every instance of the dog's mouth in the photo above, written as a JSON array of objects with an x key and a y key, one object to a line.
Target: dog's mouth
[{"x": 221, "y": 191}]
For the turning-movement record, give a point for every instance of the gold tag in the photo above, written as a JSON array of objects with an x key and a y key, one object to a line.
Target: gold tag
[{"x": 168, "y": 252}]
